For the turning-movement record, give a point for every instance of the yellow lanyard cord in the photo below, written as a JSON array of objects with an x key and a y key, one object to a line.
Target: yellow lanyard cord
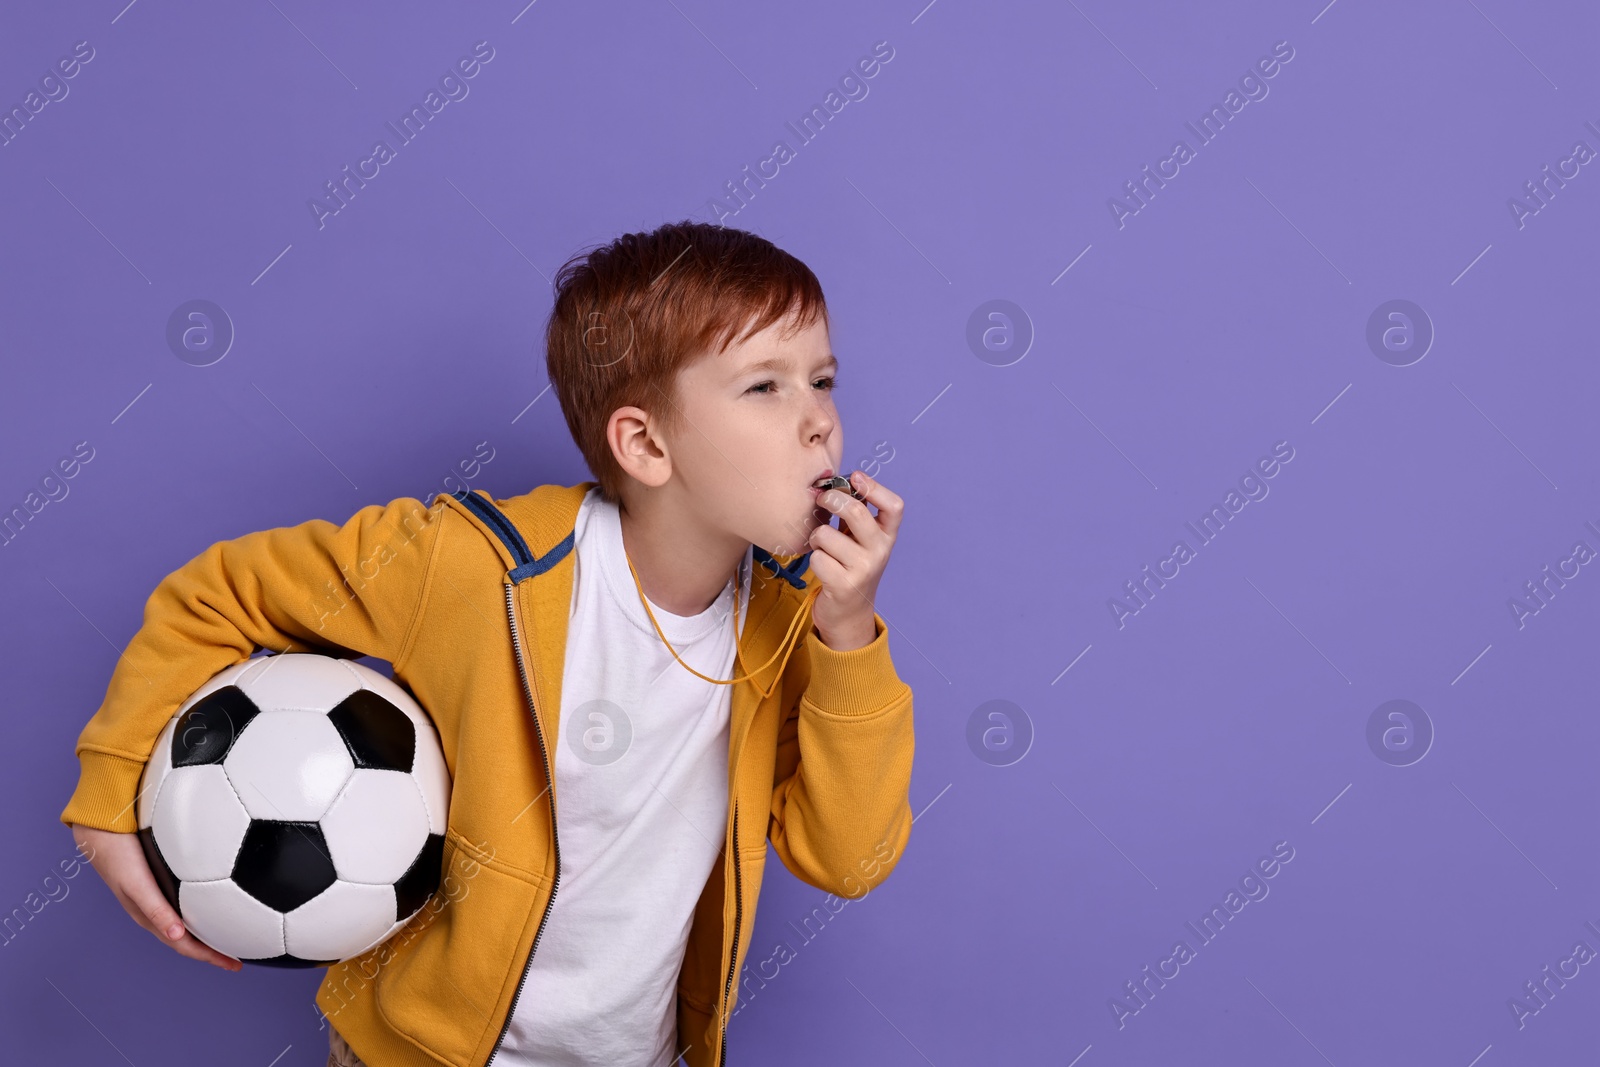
[{"x": 800, "y": 618}]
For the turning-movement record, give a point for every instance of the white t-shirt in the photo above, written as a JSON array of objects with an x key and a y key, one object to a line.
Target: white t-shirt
[{"x": 641, "y": 772}]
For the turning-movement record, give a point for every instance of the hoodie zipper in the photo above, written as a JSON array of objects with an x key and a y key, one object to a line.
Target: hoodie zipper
[
  {"x": 522, "y": 670},
  {"x": 738, "y": 917},
  {"x": 738, "y": 883},
  {"x": 519, "y": 550}
]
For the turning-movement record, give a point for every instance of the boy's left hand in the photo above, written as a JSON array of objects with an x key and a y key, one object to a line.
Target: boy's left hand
[{"x": 850, "y": 563}]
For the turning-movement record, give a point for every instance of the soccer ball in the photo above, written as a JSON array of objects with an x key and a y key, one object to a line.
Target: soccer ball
[{"x": 294, "y": 809}]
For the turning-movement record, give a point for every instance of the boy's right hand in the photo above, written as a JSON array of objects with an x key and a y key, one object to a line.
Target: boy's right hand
[{"x": 119, "y": 860}]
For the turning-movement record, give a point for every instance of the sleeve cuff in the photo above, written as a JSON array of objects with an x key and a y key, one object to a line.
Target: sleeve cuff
[
  {"x": 104, "y": 799},
  {"x": 854, "y": 682}
]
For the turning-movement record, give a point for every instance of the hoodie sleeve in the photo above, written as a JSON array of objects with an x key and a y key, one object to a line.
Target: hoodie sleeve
[
  {"x": 841, "y": 813},
  {"x": 350, "y": 590}
]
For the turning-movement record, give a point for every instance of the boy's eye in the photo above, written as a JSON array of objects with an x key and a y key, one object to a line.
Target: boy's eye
[{"x": 761, "y": 387}]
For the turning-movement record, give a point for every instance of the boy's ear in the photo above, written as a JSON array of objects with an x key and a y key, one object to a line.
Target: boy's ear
[{"x": 637, "y": 446}]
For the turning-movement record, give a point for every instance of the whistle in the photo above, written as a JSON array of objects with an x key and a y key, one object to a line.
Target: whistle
[{"x": 840, "y": 483}]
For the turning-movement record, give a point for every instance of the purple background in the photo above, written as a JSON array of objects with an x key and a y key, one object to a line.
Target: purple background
[{"x": 1229, "y": 314}]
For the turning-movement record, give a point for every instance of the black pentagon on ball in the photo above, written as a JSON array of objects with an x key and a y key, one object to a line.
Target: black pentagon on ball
[
  {"x": 421, "y": 878},
  {"x": 207, "y": 730},
  {"x": 283, "y": 864},
  {"x": 378, "y": 734},
  {"x": 158, "y": 866},
  {"x": 289, "y": 961}
]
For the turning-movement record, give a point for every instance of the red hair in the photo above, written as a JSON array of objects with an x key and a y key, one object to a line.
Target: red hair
[{"x": 630, "y": 314}]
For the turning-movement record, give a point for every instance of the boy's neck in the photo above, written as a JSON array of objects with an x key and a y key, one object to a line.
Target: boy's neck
[{"x": 682, "y": 567}]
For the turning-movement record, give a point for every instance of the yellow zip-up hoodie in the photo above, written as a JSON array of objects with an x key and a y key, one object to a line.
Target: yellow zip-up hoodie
[{"x": 468, "y": 600}]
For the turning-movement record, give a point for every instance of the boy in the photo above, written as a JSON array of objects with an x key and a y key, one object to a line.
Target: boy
[{"x": 622, "y": 652}]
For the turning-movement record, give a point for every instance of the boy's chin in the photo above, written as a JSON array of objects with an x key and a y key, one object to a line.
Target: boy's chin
[
  {"x": 819, "y": 517},
  {"x": 796, "y": 545}
]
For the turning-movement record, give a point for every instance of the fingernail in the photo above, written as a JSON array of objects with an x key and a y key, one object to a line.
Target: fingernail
[{"x": 175, "y": 931}]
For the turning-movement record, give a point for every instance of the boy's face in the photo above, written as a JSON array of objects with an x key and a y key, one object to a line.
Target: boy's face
[{"x": 759, "y": 428}]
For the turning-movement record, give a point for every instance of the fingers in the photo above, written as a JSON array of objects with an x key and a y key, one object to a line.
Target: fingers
[
  {"x": 833, "y": 571},
  {"x": 186, "y": 944},
  {"x": 852, "y": 512},
  {"x": 844, "y": 550},
  {"x": 890, "y": 507},
  {"x": 195, "y": 949},
  {"x": 133, "y": 910},
  {"x": 143, "y": 899},
  {"x": 161, "y": 918}
]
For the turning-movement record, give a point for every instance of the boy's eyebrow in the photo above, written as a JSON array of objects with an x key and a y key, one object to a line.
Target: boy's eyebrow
[{"x": 775, "y": 363}]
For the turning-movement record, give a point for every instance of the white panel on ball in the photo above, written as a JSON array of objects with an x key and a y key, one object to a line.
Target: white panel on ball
[
  {"x": 199, "y": 823},
  {"x": 343, "y": 920},
  {"x": 156, "y": 769},
  {"x": 230, "y": 920},
  {"x": 298, "y": 681},
  {"x": 433, "y": 778},
  {"x": 399, "y": 924},
  {"x": 288, "y": 765},
  {"x": 388, "y": 932},
  {"x": 376, "y": 827}
]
